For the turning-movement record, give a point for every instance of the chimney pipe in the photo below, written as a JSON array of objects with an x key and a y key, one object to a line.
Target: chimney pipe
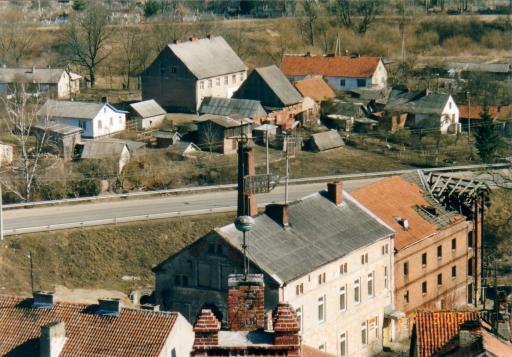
[
  {"x": 43, "y": 299},
  {"x": 53, "y": 338},
  {"x": 109, "y": 306},
  {"x": 335, "y": 192},
  {"x": 246, "y": 302},
  {"x": 206, "y": 329},
  {"x": 246, "y": 200},
  {"x": 278, "y": 212}
]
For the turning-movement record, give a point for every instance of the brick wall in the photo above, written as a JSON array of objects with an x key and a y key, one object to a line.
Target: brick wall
[{"x": 246, "y": 302}]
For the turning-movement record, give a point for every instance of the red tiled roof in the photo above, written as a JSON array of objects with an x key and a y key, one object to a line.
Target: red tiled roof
[
  {"x": 435, "y": 328},
  {"x": 335, "y": 66},
  {"x": 315, "y": 88},
  {"x": 308, "y": 351},
  {"x": 132, "y": 333},
  {"x": 502, "y": 112},
  {"x": 397, "y": 197}
]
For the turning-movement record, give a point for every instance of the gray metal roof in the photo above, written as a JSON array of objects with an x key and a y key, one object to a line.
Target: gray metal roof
[
  {"x": 208, "y": 57},
  {"x": 279, "y": 84},
  {"x": 131, "y": 144},
  {"x": 319, "y": 232},
  {"x": 167, "y": 134},
  {"x": 416, "y": 102},
  {"x": 101, "y": 149},
  {"x": 31, "y": 75},
  {"x": 182, "y": 147},
  {"x": 224, "y": 121},
  {"x": 481, "y": 67},
  {"x": 226, "y": 106},
  {"x": 59, "y": 128},
  {"x": 72, "y": 109},
  {"x": 148, "y": 108},
  {"x": 327, "y": 140}
]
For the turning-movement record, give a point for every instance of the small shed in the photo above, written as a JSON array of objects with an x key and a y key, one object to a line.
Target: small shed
[
  {"x": 251, "y": 109},
  {"x": 147, "y": 114},
  {"x": 185, "y": 149},
  {"x": 165, "y": 139},
  {"x": 325, "y": 141},
  {"x": 59, "y": 137},
  {"x": 6, "y": 154},
  {"x": 92, "y": 149},
  {"x": 260, "y": 133}
]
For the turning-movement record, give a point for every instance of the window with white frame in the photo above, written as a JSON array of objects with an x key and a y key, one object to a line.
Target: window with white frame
[
  {"x": 343, "y": 344},
  {"x": 201, "y": 84},
  {"x": 343, "y": 298},
  {"x": 357, "y": 291},
  {"x": 217, "y": 81},
  {"x": 299, "y": 289},
  {"x": 298, "y": 312},
  {"x": 321, "y": 309},
  {"x": 343, "y": 268},
  {"x": 364, "y": 333},
  {"x": 233, "y": 78},
  {"x": 226, "y": 80},
  {"x": 386, "y": 277},
  {"x": 370, "y": 285},
  {"x": 210, "y": 83}
]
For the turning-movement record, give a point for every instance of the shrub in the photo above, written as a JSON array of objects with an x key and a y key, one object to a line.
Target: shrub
[{"x": 150, "y": 8}]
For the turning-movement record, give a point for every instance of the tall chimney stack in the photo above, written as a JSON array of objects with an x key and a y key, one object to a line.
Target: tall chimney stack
[
  {"x": 335, "y": 192},
  {"x": 246, "y": 302},
  {"x": 246, "y": 201},
  {"x": 53, "y": 338}
]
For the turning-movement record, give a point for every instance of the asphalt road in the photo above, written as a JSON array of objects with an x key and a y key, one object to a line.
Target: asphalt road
[{"x": 85, "y": 212}]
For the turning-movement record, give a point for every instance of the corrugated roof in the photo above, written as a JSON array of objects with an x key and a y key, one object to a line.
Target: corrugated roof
[
  {"x": 40, "y": 75},
  {"x": 416, "y": 102},
  {"x": 319, "y": 232},
  {"x": 72, "y": 109},
  {"x": 208, "y": 57},
  {"x": 101, "y": 149},
  {"x": 327, "y": 140},
  {"x": 435, "y": 328},
  {"x": 224, "y": 121},
  {"x": 315, "y": 88},
  {"x": 132, "y": 333},
  {"x": 279, "y": 84},
  {"x": 148, "y": 108},
  {"x": 131, "y": 144},
  {"x": 332, "y": 66},
  {"x": 227, "y": 106},
  {"x": 59, "y": 128}
]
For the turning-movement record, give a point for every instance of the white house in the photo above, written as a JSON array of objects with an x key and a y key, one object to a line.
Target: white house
[
  {"x": 96, "y": 119},
  {"x": 6, "y": 154},
  {"x": 147, "y": 114},
  {"x": 342, "y": 73},
  {"x": 56, "y": 82},
  {"x": 425, "y": 109}
]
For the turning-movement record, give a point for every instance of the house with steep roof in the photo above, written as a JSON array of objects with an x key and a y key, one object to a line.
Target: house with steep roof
[
  {"x": 434, "y": 258},
  {"x": 96, "y": 119},
  {"x": 147, "y": 114},
  {"x": 251, "y": 109},
  {"x": 221, "y": 133},
  {"x": 326, "y": 255},
  {"x": 342, "y": 73},
  {"x": 275, "y": 92},
  {"x": 42, "y": 326},
  {"x": 424, "y": 109},
  {"x": 184, "y": 73},
  {"x": 57, "y": 83}
]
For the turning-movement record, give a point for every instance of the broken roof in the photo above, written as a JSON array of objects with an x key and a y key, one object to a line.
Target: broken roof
[
  {"x": 327, "y": 140},
  {"x": 226, "y": 106},
  {"x": 319, "y": 232},
  {"x": 73, "y": 109},
  {"x": 131, "y": 333},
  {"x": 416, "y": 102},
  {"x": 208, "y": 57},
  {"x": 33, "y": 75},
  {"x": 331, "y": 66},
  {"x": 315, "y": 88},
  {"x": 148, "y": 108},
  {"x": 279, "y": 84},
  {"x": 396, "y": 198}
]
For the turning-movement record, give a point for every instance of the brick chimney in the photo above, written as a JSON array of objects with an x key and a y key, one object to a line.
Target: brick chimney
[
  {"x": 278, "y": 212},
  {"x": 246, "y": 302},
  {"x": 53, "y": 338},
  {"x": 246, "y": 201},
  {"x": 335, "y": 192},
  {"x": 206, "y": 329},
  {"x": 286, "y": 328}
]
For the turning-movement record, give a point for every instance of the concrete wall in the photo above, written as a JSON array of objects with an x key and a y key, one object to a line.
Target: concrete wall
[
  {"x": 327, "y": 333},
  {"x": 181, "y": 339},
  {"x": 151, "y": 122}
]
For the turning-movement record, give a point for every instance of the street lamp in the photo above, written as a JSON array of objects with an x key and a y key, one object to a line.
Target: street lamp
[{"x": 244, "y": 224}]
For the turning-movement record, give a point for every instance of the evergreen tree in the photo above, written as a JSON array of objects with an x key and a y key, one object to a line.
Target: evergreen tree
[{"x": 487, "y": 138}]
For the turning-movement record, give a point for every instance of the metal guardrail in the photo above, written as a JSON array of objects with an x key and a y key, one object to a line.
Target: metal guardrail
[{"x": 198, "y": 189}]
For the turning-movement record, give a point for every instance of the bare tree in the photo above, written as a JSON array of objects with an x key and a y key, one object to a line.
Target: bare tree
[
  {"x": 343, "y": 9},
  {"x": 16, "y": 38},
  {"x": 135, "y": 53},
  {"x": 311, "y": 10},
  {"x": 86, "y": 36},
  {"x": 20, "y": 120},
  {"x": 367, "y": 10}
]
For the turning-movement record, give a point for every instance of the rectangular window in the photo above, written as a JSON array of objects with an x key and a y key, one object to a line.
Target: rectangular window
[
  {"x": 298, "y": 313},
  {"x": 454, "y": 244},
  {"x": 343, "y": 298},
  {"x": 299, "y": 289},
  {"x": 111, "y": 121},
  {"x": 470, "y": 293},
  {"x": 364, "y": 258},
  {"x": 454, "y": 272},
  {"x": 424, "y": 288},
  {"x": 361, "y": 82},
  {"x": 210, "y": 83},
  {"x": 217, "y": 81},
  {"x": 470, "y": 240},
  {"x": 357, "y": 292},
  {"x": 385, "y": 277},
  {"x": 406, "y": 268},
  {"x": 406, "y": 297},
  {"x": 241, "y": 77},
  {"x": 100, "y": 124},
  {"x": 370, "y": 285},
  {"x": 82, "y": 124},
  {"x": 343, "y": 344},
  {"x": 173, "y": 70},
  {"x": 364, "y": 333},
  {"x": 343, "y": 83},
  {"x": 226, "y": 80},
  {"x": 424, "y": 260},
  {"x": 470, "y": 266},
  {"x": 233, "y": 78},
  {"x": 343, "y": 268},
  {"x": 439, "y": 279},
  {"x": 201, "y": 84},
  {"x": 439, "y": 251},
  {"x": 321, "y": 279},
  {"x": 321, "y": 309}
]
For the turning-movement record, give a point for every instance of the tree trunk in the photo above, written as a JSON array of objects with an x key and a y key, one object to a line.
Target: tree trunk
[{"x": 92, "y": 76}]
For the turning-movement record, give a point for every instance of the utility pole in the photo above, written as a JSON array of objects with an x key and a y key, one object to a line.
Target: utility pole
[
  {"x": 402, "y": 31},
  {"x": 31, "y": 271},
  {"x": 287, "y": 170},
  {"x": 266, "y": 144},
  {"x": 469, "y": 115}
]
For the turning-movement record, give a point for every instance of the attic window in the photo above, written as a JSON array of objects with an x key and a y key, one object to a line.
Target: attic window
[{"x": 402, "y": 221}]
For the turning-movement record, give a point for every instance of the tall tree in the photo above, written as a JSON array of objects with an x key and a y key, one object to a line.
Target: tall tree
[
  {"x": 16, "y": 38},
  {"x": 135, "y": 53},
  {"x": 487, "y": 139},
  {"x": 367, "y": 10},
  {"x": 86, "y": 36},
  {"x": 311, "y": 9}
]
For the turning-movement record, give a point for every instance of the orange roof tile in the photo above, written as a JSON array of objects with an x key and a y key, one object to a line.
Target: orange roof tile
[
  {"x": 435, "y": 328},
  {"x": 308, "y": 351},
  {"x": 315, "y": 88},
  {"x": 502, "y": 112},
  {"x": 397, "y": 197},
  {"x": 335, "y": 66},
  {"x": 132, "y": 333}
]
